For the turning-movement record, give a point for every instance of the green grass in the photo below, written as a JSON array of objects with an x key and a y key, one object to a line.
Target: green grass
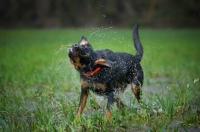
[{"x": 39, "y": 90}]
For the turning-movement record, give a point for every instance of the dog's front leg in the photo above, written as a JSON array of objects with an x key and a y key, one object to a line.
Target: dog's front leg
[
  {"x": 83, "y": 99},
  {"x": 110, "y": 102}
]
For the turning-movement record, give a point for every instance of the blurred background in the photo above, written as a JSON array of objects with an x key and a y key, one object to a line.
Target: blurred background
[{"x": 95, "y": 13}]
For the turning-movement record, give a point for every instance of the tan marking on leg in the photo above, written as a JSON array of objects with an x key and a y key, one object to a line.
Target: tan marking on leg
[
  {"x": 136, "y": 91},
  {"x": 83, "y": 99},
  {"x": 101, "y": 86},
  {"x": 108, "y": 114}
]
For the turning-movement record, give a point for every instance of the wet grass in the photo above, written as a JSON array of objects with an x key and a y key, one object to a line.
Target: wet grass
[{"x": 39, "y": 90}]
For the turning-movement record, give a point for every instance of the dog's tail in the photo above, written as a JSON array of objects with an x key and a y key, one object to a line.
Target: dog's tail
[{"x": 137, "y": 44}]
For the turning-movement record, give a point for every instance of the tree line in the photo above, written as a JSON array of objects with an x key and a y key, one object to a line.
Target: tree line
[{"x": 93, "y": 13}]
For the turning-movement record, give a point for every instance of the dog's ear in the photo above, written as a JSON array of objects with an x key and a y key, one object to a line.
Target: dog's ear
[
  {"x": 83, "y": 41},
  {"x": 104, "y": 62}
]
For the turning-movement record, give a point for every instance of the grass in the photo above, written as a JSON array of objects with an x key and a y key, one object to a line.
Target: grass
[{"x": 39, "y": 90}]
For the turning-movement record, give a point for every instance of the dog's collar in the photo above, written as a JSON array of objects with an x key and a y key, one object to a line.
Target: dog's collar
[{"x": 90, "y": 73}]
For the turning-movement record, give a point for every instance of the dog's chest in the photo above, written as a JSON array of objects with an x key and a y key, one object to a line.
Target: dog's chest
[
  {"x": 98, "y": 88},
  {"x": 103, "y": 89}
]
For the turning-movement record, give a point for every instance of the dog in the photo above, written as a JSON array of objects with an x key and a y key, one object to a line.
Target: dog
[{"x": 104, "y": 72}]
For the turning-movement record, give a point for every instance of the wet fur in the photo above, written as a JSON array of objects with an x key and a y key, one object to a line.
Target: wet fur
[{"x": 117, "y": 69}]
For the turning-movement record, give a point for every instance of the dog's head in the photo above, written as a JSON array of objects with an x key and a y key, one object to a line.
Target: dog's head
[
  {"x": 80, "y": 54},
  {"x": 83, "y": 57}
]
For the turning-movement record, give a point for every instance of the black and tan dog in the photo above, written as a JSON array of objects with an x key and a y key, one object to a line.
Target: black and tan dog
[{"x": 104, "y": 71}]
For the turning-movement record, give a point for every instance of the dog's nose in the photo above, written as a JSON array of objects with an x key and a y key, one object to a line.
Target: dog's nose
[{"x": 76, "y": 47}]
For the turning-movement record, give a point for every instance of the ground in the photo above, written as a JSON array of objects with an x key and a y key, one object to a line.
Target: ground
[{"x": 40, "y": 90}]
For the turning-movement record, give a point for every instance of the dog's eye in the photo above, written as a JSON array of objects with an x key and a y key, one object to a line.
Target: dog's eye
[{"x": 85, "y": 46}]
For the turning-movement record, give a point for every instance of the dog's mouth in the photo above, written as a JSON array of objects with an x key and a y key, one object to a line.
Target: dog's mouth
[{"x": 73, "y": 51}]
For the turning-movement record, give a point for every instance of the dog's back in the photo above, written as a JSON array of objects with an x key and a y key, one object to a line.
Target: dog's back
[{"x": 125, "y": 65}]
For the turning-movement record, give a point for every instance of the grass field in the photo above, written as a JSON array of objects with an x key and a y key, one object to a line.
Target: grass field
[{"x": 39, "y": 90}]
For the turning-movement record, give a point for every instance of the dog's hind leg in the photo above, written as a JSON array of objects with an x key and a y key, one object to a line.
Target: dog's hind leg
[
  {"x": 119, "y": 103},
  {"x": 137, "y": 91},
  {"x": 110, "y": 102},
  {"x": 136, "y": 80}
]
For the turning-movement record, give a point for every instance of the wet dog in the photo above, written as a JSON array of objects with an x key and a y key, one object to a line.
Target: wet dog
[{"x": 104, "y": 72}]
